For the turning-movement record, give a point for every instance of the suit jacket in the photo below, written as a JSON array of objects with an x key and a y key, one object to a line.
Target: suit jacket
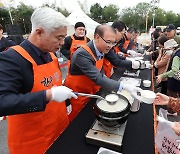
[
  {"x": 83, "y": 63},
  {"x": 16, "y": 80},
  {"x": 5, "y": 44}
]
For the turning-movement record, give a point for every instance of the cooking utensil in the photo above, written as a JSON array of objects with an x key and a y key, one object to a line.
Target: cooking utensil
[
  {"x": 89, "y": 95},
  {"x": 107, "y": 98},
  {"x": 112, "y": 115}
]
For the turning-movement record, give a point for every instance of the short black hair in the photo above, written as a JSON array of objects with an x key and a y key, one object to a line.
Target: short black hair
[
  {"x": 162, "y": 39},
  {"x": 158, "y": 29},
  {"x": 131, "y": 30},
  {"x": 119, "y": 25},
  {"x": 1, "y": 27},
  {"x": 100, "y": 29},
  {"x": 79, "y": 24}
]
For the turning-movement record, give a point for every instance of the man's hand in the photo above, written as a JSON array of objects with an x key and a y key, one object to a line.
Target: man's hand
[
  {"x": 133, "y": 90},
  {"x": 59, "y": 94},
  {"x": 132, "y": 53}
]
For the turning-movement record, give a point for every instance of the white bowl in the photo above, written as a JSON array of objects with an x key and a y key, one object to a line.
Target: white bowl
[
  {"x": 148, "y": 96},
  {"x": 147, "y": 62},
  {"x": 147, "y": 83},
  {"x": 148, "y": 66}
]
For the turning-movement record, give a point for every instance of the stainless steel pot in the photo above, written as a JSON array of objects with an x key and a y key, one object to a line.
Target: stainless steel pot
[{"x": 109, "y": 117}]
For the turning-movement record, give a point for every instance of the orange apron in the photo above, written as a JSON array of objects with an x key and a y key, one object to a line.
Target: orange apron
[
  {"x": 76, "y": 43},
  {"x": 126, "y": 43},
  {"x": 33, "y": 133},
  {"x": 81, "y": 83},
  {"x": 107, "y": 66}
]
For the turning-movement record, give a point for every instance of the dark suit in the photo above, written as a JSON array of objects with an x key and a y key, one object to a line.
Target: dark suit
[
  {"x": 83, "y": 63},
  {"x": 5, "y": 43},
  {"x": 16, "y": 82}
]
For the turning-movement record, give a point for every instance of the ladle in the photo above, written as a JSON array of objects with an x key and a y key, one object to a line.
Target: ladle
[{"x": 97, "y": 96}]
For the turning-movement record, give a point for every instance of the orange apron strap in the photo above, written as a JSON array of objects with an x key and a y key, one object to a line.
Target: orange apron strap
[
  {"x": 89, "y": 50},
  {"x": 116, "y": 49},
  {"x": 72, "y": 37},
  {"x": 24, "y": 53},
  {"x": 52, "y": 55},
  {"x": 85, "y": 39}
]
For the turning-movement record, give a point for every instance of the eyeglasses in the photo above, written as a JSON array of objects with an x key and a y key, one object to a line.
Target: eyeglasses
[{"x": 108, "y": 42}]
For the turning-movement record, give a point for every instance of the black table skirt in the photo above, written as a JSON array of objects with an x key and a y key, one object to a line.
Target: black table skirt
[{"x": 138, "y": 137}]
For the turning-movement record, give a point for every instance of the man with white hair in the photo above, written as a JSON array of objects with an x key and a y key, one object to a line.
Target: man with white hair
[{"x": 31, "y": 92}]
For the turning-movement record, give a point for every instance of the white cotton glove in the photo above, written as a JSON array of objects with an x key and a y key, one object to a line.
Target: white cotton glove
[
  {"x": 121, "y": 54},
  {"x": 135, "y": 64},
  {"x": 132, "y": 53},
  {"x": 133, "y": 90},
  {"x": 61, "y": 93}
]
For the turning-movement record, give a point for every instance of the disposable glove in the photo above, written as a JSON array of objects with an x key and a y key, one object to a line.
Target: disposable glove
[
  {"x": 135, "y": 64},
  {"x": 133, "y": 90},
  {"x": 61, "y": 93},
  {"x": 121, "y": 54},
  {"x": 132, "y": 53}
]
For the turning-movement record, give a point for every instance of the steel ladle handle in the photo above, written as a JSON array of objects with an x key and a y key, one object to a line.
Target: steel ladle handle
[{"x": 88, "y": 95}]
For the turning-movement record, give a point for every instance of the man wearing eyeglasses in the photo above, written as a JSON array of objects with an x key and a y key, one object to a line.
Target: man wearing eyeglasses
[
  {"x": 126, "y": 45},
  {"x": 120, "y": 29},
  {"x": 86, "y": 65}
]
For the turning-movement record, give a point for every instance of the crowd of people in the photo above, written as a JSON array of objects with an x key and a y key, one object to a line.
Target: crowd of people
[
  {"x": 165, "y": 51},
  {"x": 40, "y": 108}
]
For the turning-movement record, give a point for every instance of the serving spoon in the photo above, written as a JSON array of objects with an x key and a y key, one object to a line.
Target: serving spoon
[{"x": 97, "y": 96}]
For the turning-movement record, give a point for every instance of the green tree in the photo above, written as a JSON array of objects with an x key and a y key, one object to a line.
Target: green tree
[
  {"x": 110, "y": 13},
  {"x": 64, "y": 11},
  {"x": 177, "y": 22},
  {"x": 170, "y": 18},
  {"x": 4, "y": 16},
  {"x": 136, "y": 16},
  {"x": 96, "y": 12},
  {"x": 22, "y": 15}
]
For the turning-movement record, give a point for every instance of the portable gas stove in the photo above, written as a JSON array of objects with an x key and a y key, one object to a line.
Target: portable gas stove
[{"x": 106, "y": 136}]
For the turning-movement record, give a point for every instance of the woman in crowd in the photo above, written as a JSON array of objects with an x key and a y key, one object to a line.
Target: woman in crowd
[
  {"x": 161, "y": 62},
  {"x": 173, "y": 85},
  {"x": 153, "y": 48},
  {"x": 172, "y": 103}
]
